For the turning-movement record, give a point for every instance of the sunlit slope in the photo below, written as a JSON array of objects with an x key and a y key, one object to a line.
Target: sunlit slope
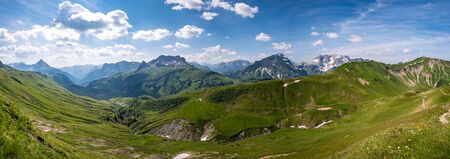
[
  {"x": 423, "y": 73},
  {"x": 41, "y": 97},
  {"x": 306, "y": 101},
  {"x": 53, "y": 111},
  {"x": 18, "y": 139},
  {"x": 360, "y": 101}
]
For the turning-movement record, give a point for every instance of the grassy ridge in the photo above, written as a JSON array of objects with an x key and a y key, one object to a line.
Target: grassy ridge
[
  {"x": 368, "y": 109},
  {"x": 18, "y": 139}
]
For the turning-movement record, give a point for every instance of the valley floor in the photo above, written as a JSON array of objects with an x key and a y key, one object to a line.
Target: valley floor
[{"x": 404, "y": 126}]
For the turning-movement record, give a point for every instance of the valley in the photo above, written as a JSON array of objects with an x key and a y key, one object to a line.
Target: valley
[{"x": 348, "y": 113}]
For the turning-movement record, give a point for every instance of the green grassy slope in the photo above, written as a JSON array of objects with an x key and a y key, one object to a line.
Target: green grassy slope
[
  {"x": 157, "y": 82},
  {"x": 371, "y": 108},
  {"x": 18, "y": 139}
]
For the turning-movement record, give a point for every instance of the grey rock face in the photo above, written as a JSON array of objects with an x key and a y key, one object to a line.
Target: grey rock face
[{"x": 178, "y": 129}]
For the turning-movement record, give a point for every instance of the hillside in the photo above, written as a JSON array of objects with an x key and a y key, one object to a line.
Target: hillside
[
  {"x": 358, "y": 106},
  {"x": 165, "y": 75},
  {"x": 357, "y": 97},
  {"x": 42, "y": 67}
]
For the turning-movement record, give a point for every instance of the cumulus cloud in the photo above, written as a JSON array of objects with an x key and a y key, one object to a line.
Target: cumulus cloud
[
  {"x": 219, "y": 49},
  {"x": 124, "y": 46},
  {"x": 176, "y": 46},
  {"x": 354, "y": 38},
  {"x": 214, "y": 54},
  {"x": 331, "y": 35},
  {"x": 209, "y": 15},
  {"x": 23, "y": 50},
  {"x": 281, "y": 46},
  {"x": 151, "y": 35},
  {"x": 107, "y": 26},
  {"x": 6, "y": 36},
  {"x": 317, "y": 43},
  {"x": 185, "y": 4},
  {"x": 189, "y": 31},
  {"x": 65, "y": 44},
  {"x": 245, "y": 10},
  {"x": 48, "y": 33},
  {"x": 314, "y": 33},
  {"x": 263, "y": 37},
  {"x": 221, "y": 4}
]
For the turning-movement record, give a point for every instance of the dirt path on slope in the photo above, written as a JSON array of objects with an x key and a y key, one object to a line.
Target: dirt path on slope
[{"x": 278, "y": 155}]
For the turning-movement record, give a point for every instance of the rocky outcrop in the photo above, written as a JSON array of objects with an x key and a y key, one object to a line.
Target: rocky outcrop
[
  {"x": 253, "y": 132},
  {"x": 178, "y": 129},
  {"x": 209, "y": 132}
]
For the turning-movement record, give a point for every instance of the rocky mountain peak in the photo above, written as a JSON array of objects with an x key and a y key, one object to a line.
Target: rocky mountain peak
[
  {"x": 42, "y": 64},
  {"x": 164, "y": 60}
]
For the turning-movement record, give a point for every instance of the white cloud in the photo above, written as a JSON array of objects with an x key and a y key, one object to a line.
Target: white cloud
[
  {"x": 331, "y": 35},
  {"x": 151, "y": 35},
  {"x": 65, "y": 44},
  {"x": 209, "y": 15},
  {"x": 241, "y": 9},
  {"x": 214, "y": 54},
  {"x": 219, "y": 49},
  {"x": 314, "y": 33},
  {"x": 176, "y": 46},
  {"x": 221, "y": 4},
  {"x": 189, "y": 31},
  {"x": 181, "y": 45},
  {"x": 281, "y": 46},
  {"x": 354, "y": 38},
  {"x": 107, "y": 26},
  {"x": 263, "y": 37},
  {"x": 317, "y": 43},
  {"x": 168, "y": 46},
  {"x": 262, "y": 55},
  {"x": 124, "y": 46},
  {"x": 406, "y": 50},
  {"x": 6, "y": 36},
  {"x": 185, "y": 4},
  {"x": 23, "y": 50},
  {"x": 48, "y": 33},
  {"x": 245, "y": 10}
]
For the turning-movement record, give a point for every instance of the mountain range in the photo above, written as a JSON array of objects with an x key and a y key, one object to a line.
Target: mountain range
[
  {"x": 105, "y": 81},
  {"x": 363, "y": 109},
  {"x": 165, "y": 75}
]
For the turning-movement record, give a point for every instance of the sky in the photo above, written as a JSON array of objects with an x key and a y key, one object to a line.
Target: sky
[{"x": 77, "y": 32}]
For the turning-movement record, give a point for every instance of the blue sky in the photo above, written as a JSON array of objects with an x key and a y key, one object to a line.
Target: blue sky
[{"x": 65, "y": 33}]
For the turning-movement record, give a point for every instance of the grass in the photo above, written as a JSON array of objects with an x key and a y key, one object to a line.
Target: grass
[{"x": 376, "y": 116}]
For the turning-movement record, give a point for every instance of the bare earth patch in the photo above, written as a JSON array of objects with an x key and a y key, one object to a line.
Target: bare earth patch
[
  {"x": 278, "y": 155},
  {"x": 47, "y": 127},
  {"x": 444, "y": 117},
  {"x": 324, "y": 108},
  {"x": 94, "y": 142},
  {"x": 363, "y": 82},
  {"x": 128, "y": 151}
]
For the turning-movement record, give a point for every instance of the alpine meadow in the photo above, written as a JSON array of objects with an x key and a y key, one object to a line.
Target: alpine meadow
[{"x": 224, "y": 79}]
